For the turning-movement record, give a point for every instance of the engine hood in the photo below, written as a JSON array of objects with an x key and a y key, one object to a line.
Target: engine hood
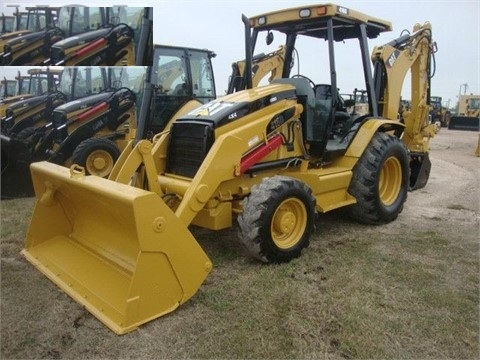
[
  {"x": 235, "y": 106},
  {"x": 80, "y": 39},
  {"x": 28, "y": 38},
  {"x": 82, "y": 103},
  {"x": 33, "y": 101}
]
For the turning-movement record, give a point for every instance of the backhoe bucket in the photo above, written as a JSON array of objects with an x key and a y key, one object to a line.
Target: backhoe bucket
[
  {"x": 420, "y": 167},
  {"x": 117, "y": 250}
]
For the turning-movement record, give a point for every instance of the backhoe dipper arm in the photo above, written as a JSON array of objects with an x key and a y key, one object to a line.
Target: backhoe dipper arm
[{"x": 391, "y": 62}]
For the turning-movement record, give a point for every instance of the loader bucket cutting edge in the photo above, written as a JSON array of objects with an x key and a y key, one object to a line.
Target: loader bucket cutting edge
[{"x": 117, "y": 250}]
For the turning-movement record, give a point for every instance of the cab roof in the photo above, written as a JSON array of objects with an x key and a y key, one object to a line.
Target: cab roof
[{"x": 311, "y": 20}]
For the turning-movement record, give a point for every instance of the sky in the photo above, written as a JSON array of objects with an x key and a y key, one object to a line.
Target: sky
[{"x": 216, "y": 25}]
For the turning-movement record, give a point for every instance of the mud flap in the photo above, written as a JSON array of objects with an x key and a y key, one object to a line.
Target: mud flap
[
  {"x": 117, "y": 250},
  {"x": 420, "y": 166}
]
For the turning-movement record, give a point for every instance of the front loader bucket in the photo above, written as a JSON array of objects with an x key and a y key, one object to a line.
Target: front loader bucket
[
  {"x": 117, "y": 250},
  {"x": 471, "y": 123}
]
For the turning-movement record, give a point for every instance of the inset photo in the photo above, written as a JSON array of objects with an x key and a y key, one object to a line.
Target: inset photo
[{"x": 76, "y": 35}]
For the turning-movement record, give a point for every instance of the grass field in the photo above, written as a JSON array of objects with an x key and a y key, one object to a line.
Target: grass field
[{"x": 366, "y": 296}]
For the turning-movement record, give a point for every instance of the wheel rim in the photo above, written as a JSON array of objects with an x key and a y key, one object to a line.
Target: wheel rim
[
  {"x": 99, "y": 163},
  {"x": 390, "y": 181},
  {"x": 288, "y": 223}
]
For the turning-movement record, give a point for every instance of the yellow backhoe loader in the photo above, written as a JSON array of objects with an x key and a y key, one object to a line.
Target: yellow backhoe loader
[
  {"x": 37, "y": 18},
  {"x": 37, "y": 83},
  {"x": 270, "y": 156},
  {"x": 126, "y": 40}
]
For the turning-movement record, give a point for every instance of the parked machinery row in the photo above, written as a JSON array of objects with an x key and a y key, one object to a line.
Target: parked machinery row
[{"x": 81, "y": 35}]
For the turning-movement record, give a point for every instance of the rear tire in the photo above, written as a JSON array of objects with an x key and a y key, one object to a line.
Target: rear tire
[
  {"x": 278, "y": 219},
  {"x": 380, "y": 181},
  {"x": 96, "y": 155}
]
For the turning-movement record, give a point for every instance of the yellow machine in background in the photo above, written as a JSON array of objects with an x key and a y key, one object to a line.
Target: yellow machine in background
[
  {"x": 270, "y": 157},
  {"x": 38, "y": 82},
  {"x": 468, "y": 117},
  {"x": 124, "y": 39},
  {"x": 270, "y": 64},
  {"x": 37, "y": 18},
  {"x": 29, "y": 92},
  {"x": 440, "y": 115}
]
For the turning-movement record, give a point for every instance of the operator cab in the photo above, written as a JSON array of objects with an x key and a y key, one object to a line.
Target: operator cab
[
  {"x": 179, "y": 75},
  {"x": 324, "y": 31}
]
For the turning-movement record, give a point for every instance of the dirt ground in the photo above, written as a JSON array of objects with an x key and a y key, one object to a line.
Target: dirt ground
[
  {"x": 39, "y": 321},
  {"x": 451, "y": 200}
]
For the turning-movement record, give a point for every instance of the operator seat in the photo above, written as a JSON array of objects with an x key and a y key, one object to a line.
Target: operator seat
[
  {"x": 314, "y": 119},
  {"x": 323, "y": 92},
  {"x": 180, "y": 90}
]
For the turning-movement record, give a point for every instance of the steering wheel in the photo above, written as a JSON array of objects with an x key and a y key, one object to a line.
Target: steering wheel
[{"x": 304, "y": 77}]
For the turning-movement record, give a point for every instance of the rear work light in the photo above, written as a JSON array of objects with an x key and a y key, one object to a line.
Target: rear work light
[{"x": 304, "y": 13}]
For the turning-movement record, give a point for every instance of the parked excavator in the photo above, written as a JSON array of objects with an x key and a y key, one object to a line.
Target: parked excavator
[
  {"x": 270, "y": 156},
  {"x": 93, "y": 130},
  {"x": 84, "y": 35}
]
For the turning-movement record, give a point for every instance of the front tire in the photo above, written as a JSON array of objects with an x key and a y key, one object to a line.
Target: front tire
[
  {"x": 380, "y": 180},
  {"x": 96, "y": 155},
  {"x": 278, "y": 219}
]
